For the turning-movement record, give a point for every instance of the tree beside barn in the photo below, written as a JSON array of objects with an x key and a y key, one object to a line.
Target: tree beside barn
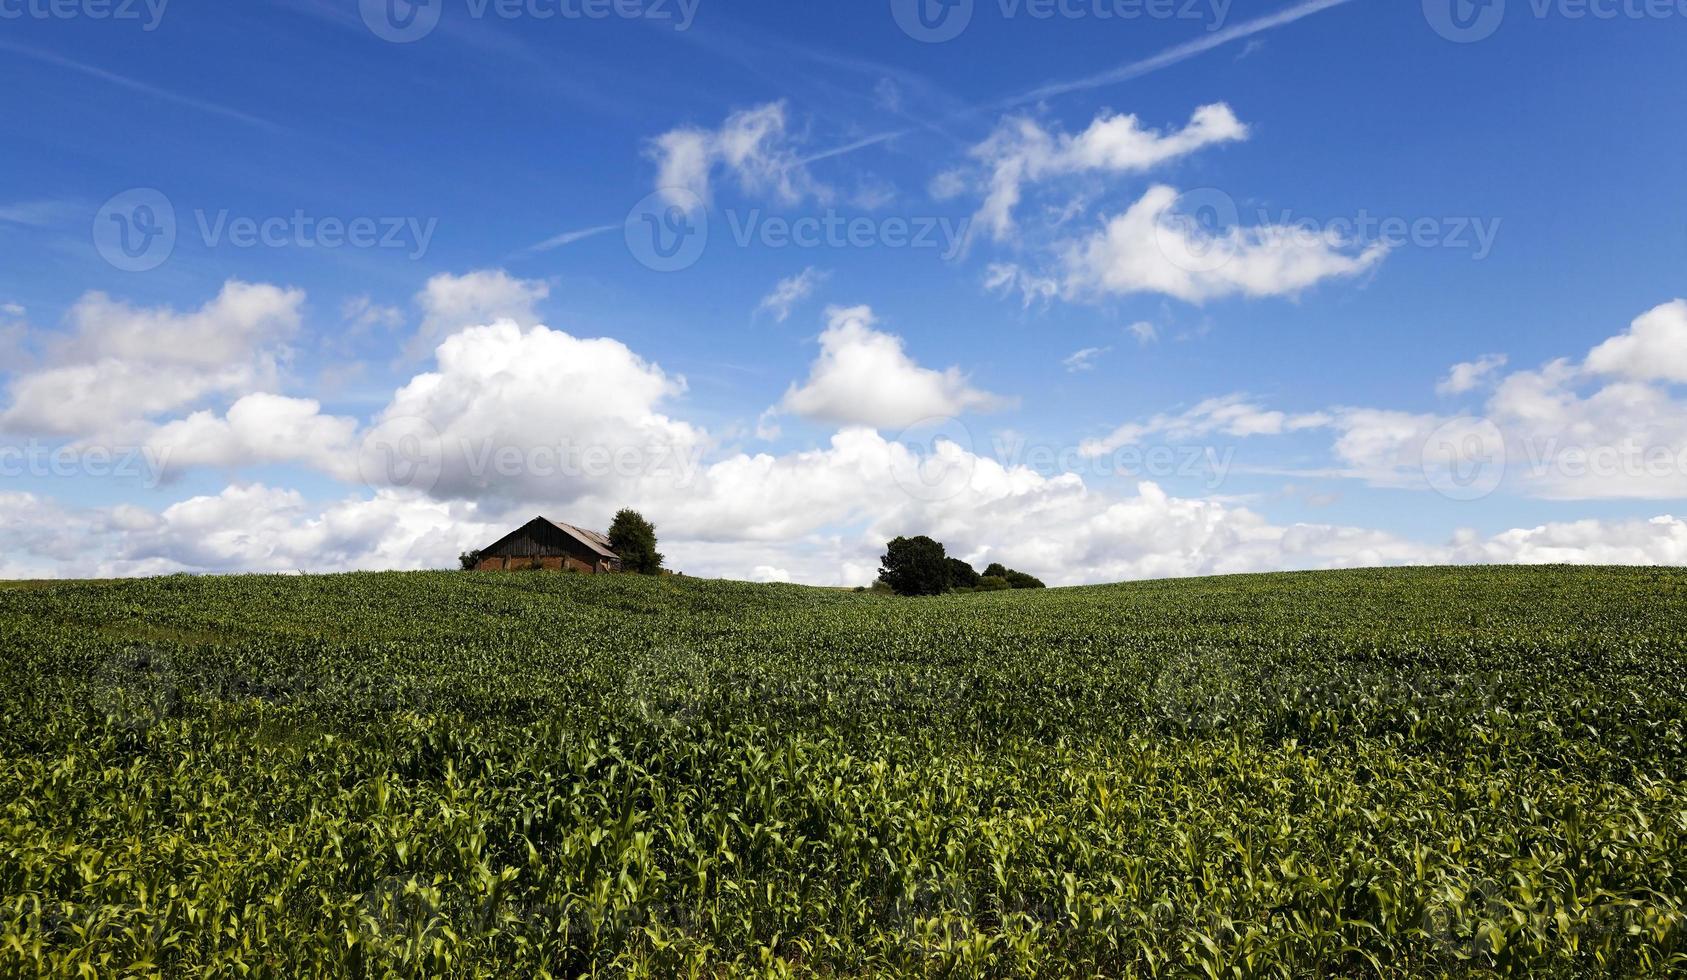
[{"x": 634, "y": 539}]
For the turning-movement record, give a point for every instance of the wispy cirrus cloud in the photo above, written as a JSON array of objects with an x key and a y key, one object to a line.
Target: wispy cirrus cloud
[
  {"x": 570, "y": 237},
  {"x": 753, "y": 145},
  {"x": 1023, "y": 151},
  {"x": 788, "y": 292},
  {"x": 1084, "y": 360},
  {"x": 145, "y": 88},
  {"x": 1176, "y": 55}
]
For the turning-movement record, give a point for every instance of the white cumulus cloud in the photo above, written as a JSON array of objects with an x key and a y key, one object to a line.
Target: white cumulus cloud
[
  {"x": 1151, "y": 248},
  {"x": 116, "y": 365},
  {"x": 1653, "y": 349},
  {"x": 451, "y": 302},
  {"x": 865, "y": 377}
]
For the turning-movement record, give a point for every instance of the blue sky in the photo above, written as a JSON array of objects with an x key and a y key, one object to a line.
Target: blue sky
[{"x": 1213, "y": 326}]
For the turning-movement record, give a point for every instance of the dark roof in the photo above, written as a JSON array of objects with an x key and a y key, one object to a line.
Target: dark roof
[
  {"x": 594, "y": 542},
  {"x": 590, "y": 539}
]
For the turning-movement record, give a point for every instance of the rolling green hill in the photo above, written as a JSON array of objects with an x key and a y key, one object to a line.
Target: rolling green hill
[{"x": 1407, "y": 773}]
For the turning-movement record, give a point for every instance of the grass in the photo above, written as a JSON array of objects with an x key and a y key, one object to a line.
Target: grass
[{"x": 1425, "y": 772}]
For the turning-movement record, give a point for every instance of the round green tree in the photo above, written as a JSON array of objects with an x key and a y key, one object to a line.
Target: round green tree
[
  {"x": 915, "y": 566},
  {"x": 633, "y": 539}
]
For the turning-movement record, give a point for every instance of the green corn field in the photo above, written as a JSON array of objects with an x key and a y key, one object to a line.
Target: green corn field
[{"x": 1413, "y": 773}]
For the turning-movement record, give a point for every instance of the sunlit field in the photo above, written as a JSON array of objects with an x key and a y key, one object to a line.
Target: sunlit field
[{"x": 1399, "y": 773}]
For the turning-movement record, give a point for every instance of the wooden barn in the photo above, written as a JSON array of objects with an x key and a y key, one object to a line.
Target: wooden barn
[{"x": 551, "y": 545}]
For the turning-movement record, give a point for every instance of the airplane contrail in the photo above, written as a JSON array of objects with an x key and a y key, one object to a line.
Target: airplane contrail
[
  {"x": 138, "y": 86},
  {"x": 1124, "y": 73},
  {"x": 1182, "y": 52}
]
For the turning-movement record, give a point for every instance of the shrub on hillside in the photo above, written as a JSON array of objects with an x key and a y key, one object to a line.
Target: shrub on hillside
[
  {"x": 634, "y": 539},
  {"x": 915, "y": 566},
  {"x": 1013, "y": 579},
  {"x": 962, "y": 575}
]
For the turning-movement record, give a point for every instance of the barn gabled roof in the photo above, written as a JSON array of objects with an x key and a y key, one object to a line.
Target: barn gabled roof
[
  {"x": 595, "y": 542},
  {"x": 590, "y": 539}
]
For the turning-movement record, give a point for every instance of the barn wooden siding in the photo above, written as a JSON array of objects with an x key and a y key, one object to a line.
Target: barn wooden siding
[
  {"x": 538, "y": 540},
  {"x": 550, "y": 546}
]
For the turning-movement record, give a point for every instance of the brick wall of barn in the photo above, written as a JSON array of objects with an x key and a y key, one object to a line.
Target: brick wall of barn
[{"x": 553, "y": 563}]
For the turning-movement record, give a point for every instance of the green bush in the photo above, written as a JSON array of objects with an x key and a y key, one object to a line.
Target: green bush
[
  {"x": 915, "y": 567},
  {"x": 961, "y": 575},
  {"x": 633, "y": 539}
]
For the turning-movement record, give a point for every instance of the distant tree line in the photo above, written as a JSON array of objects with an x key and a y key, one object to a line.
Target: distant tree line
[{"x": 920, "y": 566}]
